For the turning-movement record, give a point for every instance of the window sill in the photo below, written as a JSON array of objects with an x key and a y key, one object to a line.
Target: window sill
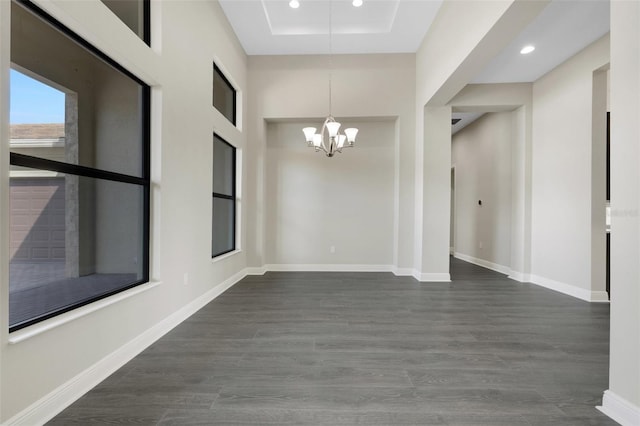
[
  {"x": 226, "y": 255},
  {"x": 36, "y": 329}
]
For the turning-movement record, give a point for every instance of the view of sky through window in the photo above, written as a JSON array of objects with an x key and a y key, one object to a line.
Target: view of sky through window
[{"x": 34, "y": 102}]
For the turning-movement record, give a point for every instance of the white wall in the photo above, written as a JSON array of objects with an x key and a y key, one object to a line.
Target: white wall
[
  {"x": 517, "y": 98},
  {"x": 295, "y": 87},
  {"x": 562, "y": 170},
  {"x": 622, "y": 400},
  {"x": 479, "y": 30},
  {"x": 481, "y": 153},
  {"x": 364, "y": 86},
  {"x": 183, "y": 122},
  {"x": 345, "y": 202}
]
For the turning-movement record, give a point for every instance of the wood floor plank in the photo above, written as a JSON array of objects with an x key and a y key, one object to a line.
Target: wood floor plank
[
  {"x": 273, "y": 416},
  {"x": 408, "y": 399},
  {"x": 334, "y": 348}
]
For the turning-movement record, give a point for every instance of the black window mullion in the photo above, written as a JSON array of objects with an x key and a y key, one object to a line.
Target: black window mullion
[
  {"x": 31, "y": 162},
  {"x": 146, "y": 159},
  {"x": 233, "y": 184},
  {"x": 229, "y": 197},
  {"x": 146, "y": 18},
  {"x": 146, "y": 132},
  {"x": 225, "y": 196},
  {"x": 146, "y": 232},
  {"x": 235, "y": 106}
]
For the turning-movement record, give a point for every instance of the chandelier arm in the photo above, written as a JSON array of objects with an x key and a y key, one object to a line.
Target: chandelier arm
[{"x": 323, "y": 146}]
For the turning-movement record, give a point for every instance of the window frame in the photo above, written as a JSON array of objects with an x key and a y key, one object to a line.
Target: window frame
[
  {"x": 218, "y": 71},
  {"x": 146, "y": 22},
  {"x": 144, "y": 180},
  {"x": 233, "y": 197}
]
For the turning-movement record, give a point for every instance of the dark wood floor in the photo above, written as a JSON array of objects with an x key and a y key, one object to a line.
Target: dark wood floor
[{"x": 370, "y": 349}]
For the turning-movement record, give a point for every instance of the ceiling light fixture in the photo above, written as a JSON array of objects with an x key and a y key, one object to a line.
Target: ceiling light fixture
[
  {"x": 335, "y": 141},
  {"x": 527, "y": 49},
  {"x": 294, "y": 4},
  {"x": 357, "y": 3}
]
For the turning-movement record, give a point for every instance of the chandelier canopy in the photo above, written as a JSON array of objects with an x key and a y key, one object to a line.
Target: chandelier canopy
[{"x": 329, "y": 139}]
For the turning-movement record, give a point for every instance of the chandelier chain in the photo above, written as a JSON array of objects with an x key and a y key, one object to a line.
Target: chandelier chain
[
  {"x": 330, "y": 50},
  {"x": 335, "y": 141}
]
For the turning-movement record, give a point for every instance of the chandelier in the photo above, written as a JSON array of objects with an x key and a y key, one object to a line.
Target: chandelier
[{"x": 330, "y": 139}]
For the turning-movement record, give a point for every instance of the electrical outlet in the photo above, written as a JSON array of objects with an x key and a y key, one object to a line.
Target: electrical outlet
[
  {"x": 332, "y": 249},
  {"x": 480, "y": 245},
  {"x": 186, "y": 279}
]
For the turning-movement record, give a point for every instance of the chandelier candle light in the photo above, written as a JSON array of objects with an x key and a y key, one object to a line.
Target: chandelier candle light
[{"x": 335, "y": 140}]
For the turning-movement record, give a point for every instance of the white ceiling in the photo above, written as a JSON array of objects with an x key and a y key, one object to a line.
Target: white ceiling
[
  {"x": 271, "y": 27},
  {"x": 562, "y": 29}
]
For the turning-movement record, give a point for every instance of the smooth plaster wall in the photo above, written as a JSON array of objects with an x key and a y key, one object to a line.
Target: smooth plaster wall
[
  {"x": 183, "y": 122},
  {"x": 481, "y": 153},
  {"x": 562, "y": 168},
  {"x": 315, "y": 202},
  {"x": 479, "y": 29},
  {"x": 465, "y": 23},
  {"x": 364, "y": 86},
  {"x": 517, "y": 98},
  {"x": 624, "y": 372}
]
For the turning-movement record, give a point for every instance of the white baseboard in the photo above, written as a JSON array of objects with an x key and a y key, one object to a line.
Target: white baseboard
[
  {"x": 571, "y": 290},
  {"x": 432, "y": 277},
  {"x": 484, "y": 263},
  {"x": 327, "y": 268},
  {"x": 402, "y": 272},
  {"x": 256, "y": 271},
  {"x": 619, "y": 409},
  {"x": 408, "y": 272},
  {"x": 600, "y": 297},
  {"x": 568, "y": 289},
  {"x": 519, "y": 276},
  {"x": 60, "y": 398}
]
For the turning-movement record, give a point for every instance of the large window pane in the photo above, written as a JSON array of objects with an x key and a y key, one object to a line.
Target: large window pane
[
  {"x": 134, "y": 14},
  {"x": 224, "y": 95},
  {"x": 73, "y": 239},
  {"x": 79, "y": 171},
  {"x": 102, "y": 118},
  {"x": 224, "y": 197},
  {"x": 223, "y": 165},
  {"x": 51, "y": 111},
  {"x": 223, "y": 226}
]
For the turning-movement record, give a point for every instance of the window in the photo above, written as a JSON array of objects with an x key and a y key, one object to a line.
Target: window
[
  {"x": 79, "y": 171},
  {"x": 224, "y": 95},
  {"x": 224, "y": 197},
  {"x": 134, "y": 14}
]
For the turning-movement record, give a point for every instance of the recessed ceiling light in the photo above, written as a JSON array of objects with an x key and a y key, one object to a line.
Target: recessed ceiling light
[
  {"x": 294, "y": 4},
  {"x": 527, "y": 49},
  {"x": 357, "y": 3}
]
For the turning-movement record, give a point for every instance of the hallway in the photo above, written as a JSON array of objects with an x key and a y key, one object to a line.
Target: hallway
[{"x": 368, "y": 348}]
